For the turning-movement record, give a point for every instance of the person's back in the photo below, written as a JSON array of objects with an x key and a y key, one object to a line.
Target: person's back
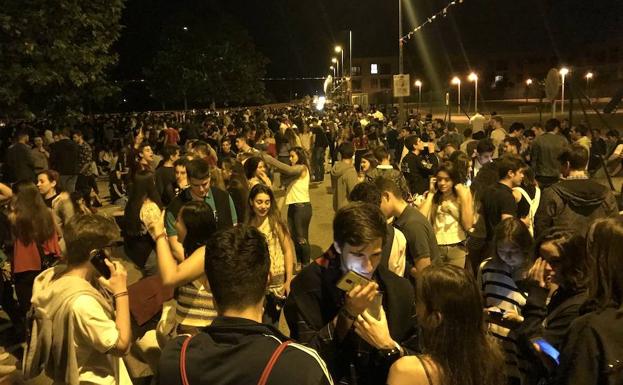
[
  {"x": 343, "y": 176},
  {"x": 545, "y": 151},
  {"x": 64, "y": 156},
  {"x": 236, "y": 348}
]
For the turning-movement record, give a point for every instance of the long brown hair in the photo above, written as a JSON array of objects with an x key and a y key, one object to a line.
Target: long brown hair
[
  {"x": 603, "y": 246},
  {"x": 274, "y": 217},
  {"x": 32, "y": 219},
  {"x": 454, "y": 332}
]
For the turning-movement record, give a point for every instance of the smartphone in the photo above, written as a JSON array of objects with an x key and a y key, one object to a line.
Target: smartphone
[
  {"x": 377, "y": 304},
  {"x": 97, "y": 260},
  {"x": 496, "y": 317},
  {"x": 350, "y": 280},
  {"x": 547, "y": 349}
]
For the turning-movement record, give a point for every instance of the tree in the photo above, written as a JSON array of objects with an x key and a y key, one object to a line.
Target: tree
[
  {"x": 206, "y": 57},
  {"x": 54, "y": 54}
]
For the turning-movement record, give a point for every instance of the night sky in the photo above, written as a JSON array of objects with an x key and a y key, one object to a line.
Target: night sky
[{"x": 298, "y": 35}]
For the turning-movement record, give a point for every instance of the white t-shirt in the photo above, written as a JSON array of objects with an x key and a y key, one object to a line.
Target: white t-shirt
[{"x": 94, "y": 335}]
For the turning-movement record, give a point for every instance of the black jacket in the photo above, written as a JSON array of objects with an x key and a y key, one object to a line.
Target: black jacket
[
  {"x": 315, "y": 301},
  {"x": 19, "y": 163},
  {"x": 574, "y": 203},
  {"x": 593, "y": 350},
  {"x": 222, "y": 214},
  {"x": 234, "y": 351},
  {"x": 417, "y": 169},
  {"x": 65, "y": 157}
]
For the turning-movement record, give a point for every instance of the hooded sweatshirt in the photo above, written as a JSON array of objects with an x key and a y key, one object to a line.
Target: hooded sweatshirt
[
  {"x": 343, "y": 180},
  {"x": 574, "y": 203},
  {"x": 52, "y": 342}
]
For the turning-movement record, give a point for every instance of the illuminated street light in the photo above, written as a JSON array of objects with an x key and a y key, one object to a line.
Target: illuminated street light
[
  {"x": 563, "y": 72},
  {"x": 185, "y": 28},
  {"x": 528, "y": 82},
  {"x": 418, "y": 84},
  {"x": 589, "y": 75},
  {"x": 338, "y": 49},
  {"x": 474, "y": 78},
  {"x": 456, "y": 81}
]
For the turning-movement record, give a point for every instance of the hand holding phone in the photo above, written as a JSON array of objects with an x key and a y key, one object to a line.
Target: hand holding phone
[
  {"x": 361, "y": 296},
  {"x": 98, "y": 260},
  {"x": 117, "y": 283}
]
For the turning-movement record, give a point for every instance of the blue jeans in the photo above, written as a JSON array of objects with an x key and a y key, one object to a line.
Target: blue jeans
[
  {"x": 318, "y": 163},
  {"x": 299, "y": 217}
]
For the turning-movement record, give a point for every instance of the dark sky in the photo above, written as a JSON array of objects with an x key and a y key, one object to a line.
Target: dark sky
[{"x": 298, "y": 35}]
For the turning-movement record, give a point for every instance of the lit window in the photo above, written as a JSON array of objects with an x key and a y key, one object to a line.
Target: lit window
[{"x": 374, "y": 69}]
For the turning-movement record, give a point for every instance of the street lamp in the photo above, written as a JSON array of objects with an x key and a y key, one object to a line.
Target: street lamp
[
  {"x": 589, "y": 75},
  {"x": 474, "y": 78},
  {"x": 418, "y": 84},
  {"x": 456, "y": 81},
  {"x": 528, "y": 84},
  {"x": 338, "y": 49},
  {"x": 337, "y": 64},
  {"x": 563, "y": 72}
]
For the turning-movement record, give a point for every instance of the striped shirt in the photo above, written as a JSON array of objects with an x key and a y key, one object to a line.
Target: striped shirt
[{"x": 195, "y": 304}]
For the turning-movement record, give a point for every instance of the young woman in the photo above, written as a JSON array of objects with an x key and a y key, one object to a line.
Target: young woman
[
  {"x": 194, "y": 304},
  {"x": 448, "y": 206},
  {"x": 143, "y": 208},
  {"x": 368, "y": 163},
  {"x": 591, "y": 353},
  {"x": 360, "y": 142},
  {"x": 456, "y": 347},
  {"x": 264, "y": 215},
  {"x": 297, "y": 199},
  {"x": 236, "y": 184},
  {"x": 35, "y": 241},
  {"x": 255, "y": 171},
  {"x": 502, "y": 281}
]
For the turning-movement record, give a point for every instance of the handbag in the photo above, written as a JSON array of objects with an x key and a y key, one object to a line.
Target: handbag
[{"x": 265, "y": 373}]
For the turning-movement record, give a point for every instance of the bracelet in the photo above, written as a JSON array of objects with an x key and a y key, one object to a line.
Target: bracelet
[
  {"x": 122, "y": 294},
  {"x": 161, "y": 235},
  {"x": 346, "y": 314}
]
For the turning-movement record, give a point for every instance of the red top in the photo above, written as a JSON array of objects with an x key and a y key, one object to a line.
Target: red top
[
  {"x": 27, "y": 258},
  {"x": 172, "y": 136}
]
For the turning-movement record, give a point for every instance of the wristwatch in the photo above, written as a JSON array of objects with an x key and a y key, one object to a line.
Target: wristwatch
[{"x": 393, "y": 353}]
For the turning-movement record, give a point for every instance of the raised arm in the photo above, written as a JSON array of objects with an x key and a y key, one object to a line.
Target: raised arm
[{"x": 295, "y": 170}]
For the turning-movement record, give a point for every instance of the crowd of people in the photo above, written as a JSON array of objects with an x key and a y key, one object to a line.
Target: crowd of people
[{"x": 488, "y": 255}]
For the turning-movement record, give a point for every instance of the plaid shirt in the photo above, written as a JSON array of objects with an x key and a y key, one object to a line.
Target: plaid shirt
[{"x": 86, "y": 157}]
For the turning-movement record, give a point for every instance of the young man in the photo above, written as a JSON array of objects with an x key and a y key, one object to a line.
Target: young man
[
  {"x": 418, "y": 165},
  {"x": 237, "y": 348},
  {"x": 87, "y": 335},
  {"x": 386, "y": 170},
  {"x": 165, "y": 174},
  {"x": 65, "y": 158},
  {"x": 319, "y": 147},
  {"x": 512, "y": 146},
  {"x": 579, "y": 136},
  {"x": 20, "y": 164},
  {"x": 422, "y": 248},
  {"x": 198, "y": 171},
  {"x": 546, "y": 149},
  {"x": 498, "y": 134},
  {"x": 358, "y": 347},
  {"x": 86, "y": 179},
  {"x": 242, "y": 146},
  {"x": 225, "y": 151},
  {"x": 498, "y": 202},
  {"x": 343, "y": 176},
  {"x": 575, "y": 201},
  {"x": 40, "y": 156}
]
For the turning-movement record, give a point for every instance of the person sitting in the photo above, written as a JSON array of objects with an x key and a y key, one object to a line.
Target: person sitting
[
  {"x": 84, "y": 336},
  {"x": 359, "y": 333},
  {"x": 237, "y": 348},
  {"x": 458, "y": 349}
]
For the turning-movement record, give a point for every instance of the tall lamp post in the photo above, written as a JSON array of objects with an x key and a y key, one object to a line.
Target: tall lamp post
[
  {"x": 456, "y": 81},
  {"x": 337, "y": 64},
  {"x": 474, "y": 78},
  {"x": 589, "y": 75},
  {"x": 563, "y": 72},
  {"x": 528, "y": 84},
  {"x": 338, "y": 49},
  {"x": 418, "y": 84}
]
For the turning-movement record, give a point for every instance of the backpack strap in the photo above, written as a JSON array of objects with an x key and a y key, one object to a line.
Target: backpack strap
[
  {"x": 271, "y": 363},
  {"x": 183, "y": 360}
]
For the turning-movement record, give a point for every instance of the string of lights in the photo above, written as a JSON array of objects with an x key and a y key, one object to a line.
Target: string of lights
[{"x": 442, "y": 13}]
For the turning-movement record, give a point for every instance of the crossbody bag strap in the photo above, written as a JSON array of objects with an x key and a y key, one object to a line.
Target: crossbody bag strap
[
  {"x": 271, "y": 363},
  {"x": 183, "y": 360}
]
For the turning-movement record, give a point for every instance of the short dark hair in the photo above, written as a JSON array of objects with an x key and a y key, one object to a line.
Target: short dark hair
[
  {"x": 77, "y": 132},
  {"x": 380, "y": 153},
  {"x": 513, "y": 142},
  {"x": 346, "y": 150},
  {"x": 85, "y": 233},
  {"x": 53, "y": 176},
  {"x": 237, "y": 263},
  {"x": 581, "y": 129},
  {"x": 467, "y": 132},
  {"x": 576, "y": 155},
  {"x": 411, "y": 141},
  {"x": 183, "y": 161},
  {"x": 516, "y": 126},
  {"x": 509, "y": 163},
  {"x": 387, "y": 185},
  {"x": 359, "y": 223},
  {"x": 528, "y": 134},
  {"x": 168, "y": 151},
  {"x": 366, "y": 192},
  {"x": 485, "y": 145},
  {"x": 552, "y": 124},
  {"x": 614, "y": 133},
  {"x": 198, "y": 169}
]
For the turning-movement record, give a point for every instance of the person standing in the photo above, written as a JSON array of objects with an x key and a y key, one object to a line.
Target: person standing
[
  {"x": 418, "y": 165},
  {"x": 343, "y": 176},
  {"x": 65, "y": 158},
  {"x": 546, "y": 149},
  {"x": 319, "y": 147},
  {"x": 20, "y": 163},
  {"x": 40, "y": 155},
  {"x": 86, "y": 179},
  {"x": 165, "y": 174},
  {"x": 498, "y": 134}
]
